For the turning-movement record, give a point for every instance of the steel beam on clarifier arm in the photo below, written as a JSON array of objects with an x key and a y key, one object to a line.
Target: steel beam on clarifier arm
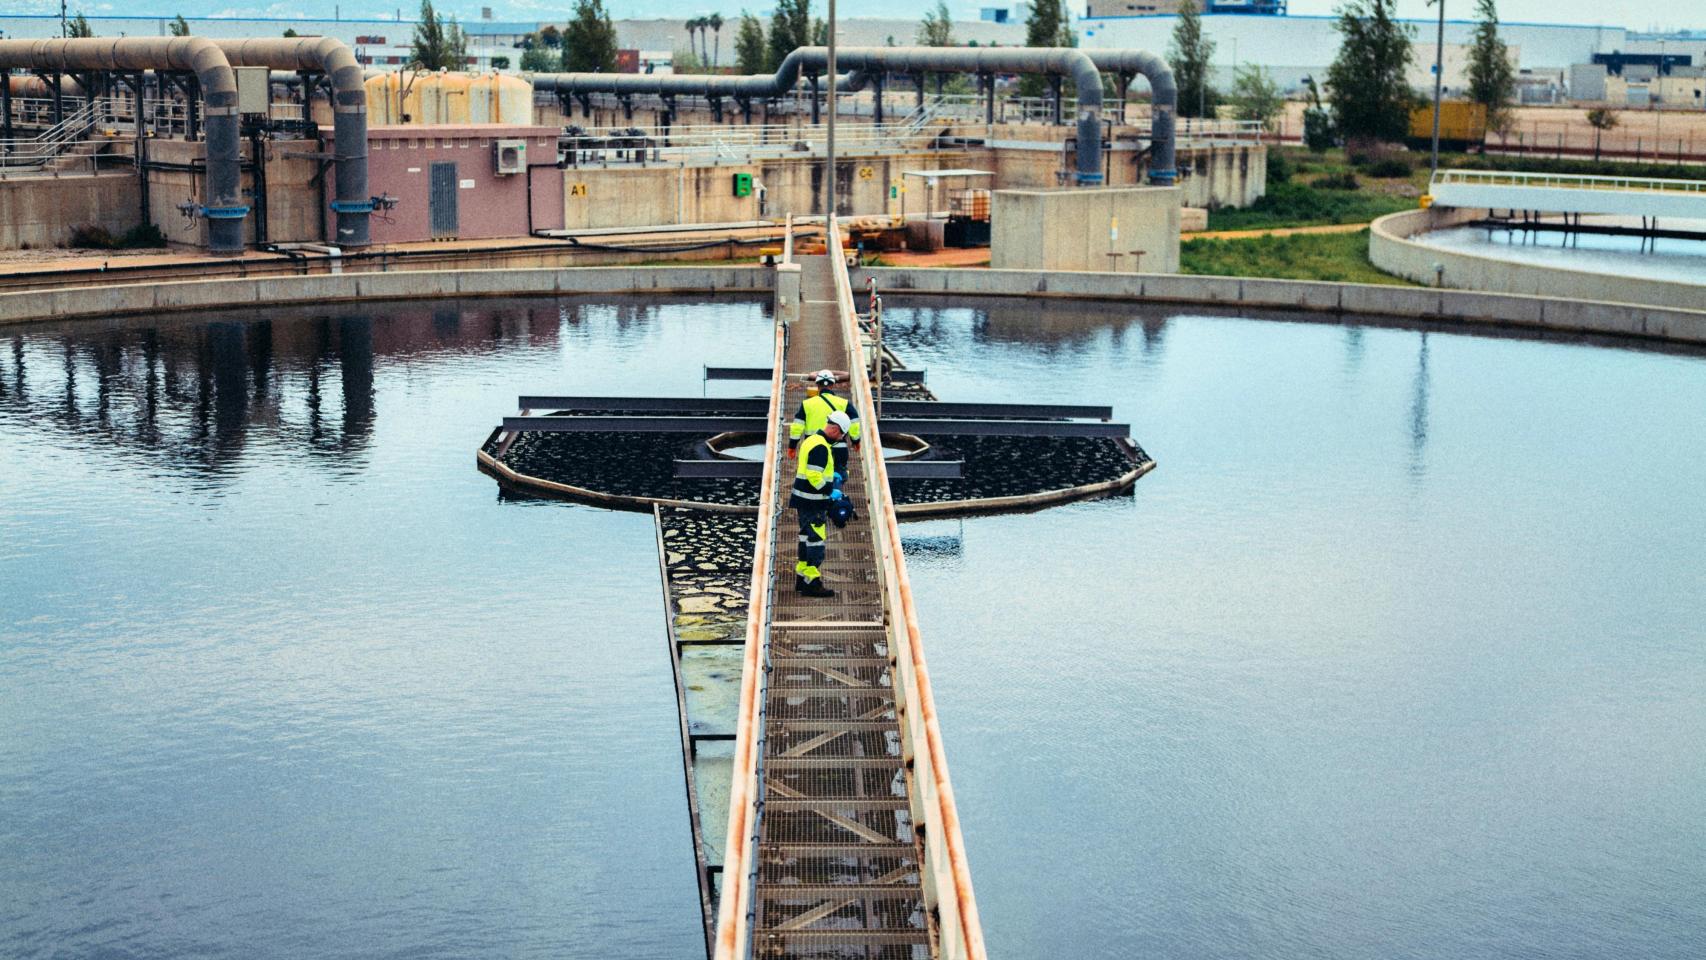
[
  {"x": 749, "y": 406},
  {"x": 596, "y": 424},
  {"x": 913, "y": 409},
  {"x": 1012, "y": 428},
  {"x": 753, "y": 469}
]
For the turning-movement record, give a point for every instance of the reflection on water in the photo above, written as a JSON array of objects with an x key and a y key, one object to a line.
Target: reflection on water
[
  {"x": 1396, "y": 653},
  {"x": 281, "y": 675},
  {"x": 1661, "y": 259}
]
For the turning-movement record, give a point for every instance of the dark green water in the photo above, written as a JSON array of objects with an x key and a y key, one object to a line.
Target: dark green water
[{"x": 1399, "y": 652}]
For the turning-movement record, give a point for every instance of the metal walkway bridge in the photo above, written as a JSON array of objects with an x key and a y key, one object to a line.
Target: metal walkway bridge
[
  {"x": 1565, "y": 193},
  {"x": 843, "y": 838}
]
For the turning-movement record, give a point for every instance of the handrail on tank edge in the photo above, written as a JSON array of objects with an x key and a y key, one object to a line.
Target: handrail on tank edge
[
  {"x": 965, "y": 940},
  {"x": 745, "y": 792}
]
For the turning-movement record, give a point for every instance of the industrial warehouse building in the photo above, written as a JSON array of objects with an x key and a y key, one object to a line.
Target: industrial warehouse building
[{"x": 1292, "y": 47}]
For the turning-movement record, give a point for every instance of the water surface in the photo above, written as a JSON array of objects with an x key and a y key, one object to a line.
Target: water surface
[{"x": 1398, "y": 653}]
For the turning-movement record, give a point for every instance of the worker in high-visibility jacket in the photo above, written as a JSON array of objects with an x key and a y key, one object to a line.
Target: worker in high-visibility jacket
[
  {"x": 814, "y": 413},
  {"x": 817, "y": 484}
]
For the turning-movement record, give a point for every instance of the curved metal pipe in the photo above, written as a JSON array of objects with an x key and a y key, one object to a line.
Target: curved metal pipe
[
  {"x": 1164, "y": 102},
  {"x": 353, "y": 203},
  {"x": 223, "y": 207},
  {"x": 864, "y": 61}
]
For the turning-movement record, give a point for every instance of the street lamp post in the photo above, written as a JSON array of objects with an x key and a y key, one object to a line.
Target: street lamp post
[
  {"x": 829, "y": 174},
  {"x": 1439, "y": 78}
]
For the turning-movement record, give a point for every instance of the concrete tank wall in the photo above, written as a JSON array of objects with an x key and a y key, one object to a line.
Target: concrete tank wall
[
  {"x": 41, "y": 212},
  {"x": 1077, "y": 229},
  {"x": 626, "y": 196},
  {"x": 1391, "y": 248}
]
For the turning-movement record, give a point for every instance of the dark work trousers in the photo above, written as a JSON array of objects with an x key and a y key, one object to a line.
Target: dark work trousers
[{"x": 814, "y": 530}]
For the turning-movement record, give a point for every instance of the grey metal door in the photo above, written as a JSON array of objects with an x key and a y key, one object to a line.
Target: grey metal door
[{"x": 444, "y": 200}]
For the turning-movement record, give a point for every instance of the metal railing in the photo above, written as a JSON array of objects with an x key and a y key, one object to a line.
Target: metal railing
[
  {"x": 945, "y": 873},
  {"x": 736, "y": 142},
  {"x": 737, "y": 905},
  {"x": 1569, "y": 181}
]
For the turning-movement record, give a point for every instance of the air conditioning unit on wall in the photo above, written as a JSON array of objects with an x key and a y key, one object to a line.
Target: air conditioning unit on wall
[{"x": 510, "y": 156}]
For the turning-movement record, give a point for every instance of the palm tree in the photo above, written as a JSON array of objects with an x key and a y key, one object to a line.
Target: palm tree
[
  {"x": 693, "y": 26},
  {"x": 715, "y": 22}
]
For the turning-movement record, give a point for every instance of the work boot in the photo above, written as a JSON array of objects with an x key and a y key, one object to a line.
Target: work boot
[
  {"x": 799, "y": 583},
  {"x": 816, "y": 588}
]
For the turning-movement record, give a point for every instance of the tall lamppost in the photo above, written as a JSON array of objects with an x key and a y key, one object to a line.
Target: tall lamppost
[
  {"x": 1439, "y": 78},
  {"x": 829, "y": 191}
]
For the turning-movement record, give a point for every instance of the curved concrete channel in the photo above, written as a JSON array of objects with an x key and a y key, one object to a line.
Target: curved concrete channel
[{"x": 1472, "y": 309}]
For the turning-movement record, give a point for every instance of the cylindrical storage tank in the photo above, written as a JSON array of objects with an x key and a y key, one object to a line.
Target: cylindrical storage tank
[
  {"x": 444, "y": 98},
  {"x": 495, "y": 98},
  {"x": 384, "y": 99}
]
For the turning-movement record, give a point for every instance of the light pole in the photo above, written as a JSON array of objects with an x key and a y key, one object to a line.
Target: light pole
[
  {"x": 1439, "y": 78},
  {"x": 829, "y": 187}
]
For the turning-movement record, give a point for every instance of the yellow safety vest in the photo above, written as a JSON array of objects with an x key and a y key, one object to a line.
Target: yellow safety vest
[
  {"x": 815, "y": 473},
  {"x": 817, "y": 410}
]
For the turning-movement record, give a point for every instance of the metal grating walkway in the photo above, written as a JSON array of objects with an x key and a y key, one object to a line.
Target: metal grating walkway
[{"x": 838, "y": 859}]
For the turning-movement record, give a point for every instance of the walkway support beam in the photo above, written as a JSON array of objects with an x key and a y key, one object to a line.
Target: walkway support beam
[
  {"x": 222, "y": 204},
  {"x": 353, "y": 203}
]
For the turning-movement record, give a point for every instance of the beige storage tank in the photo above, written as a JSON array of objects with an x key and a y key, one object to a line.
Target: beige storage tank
[{"x": 448, "y": 98}]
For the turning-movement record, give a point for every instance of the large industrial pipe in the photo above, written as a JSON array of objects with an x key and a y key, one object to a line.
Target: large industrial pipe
[
  {"x": 1163, "y": 101},
  {"x": 223, "y": 206},
  {"x": 353, "y": 203},
  {"x": 865, "y": 61}
]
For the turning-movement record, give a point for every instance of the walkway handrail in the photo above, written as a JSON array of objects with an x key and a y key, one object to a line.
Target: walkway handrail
[
  {"x": 746, "y": 786},
  {"x": 1575, "y": 181},
  {"x": 944, "y": 871}
]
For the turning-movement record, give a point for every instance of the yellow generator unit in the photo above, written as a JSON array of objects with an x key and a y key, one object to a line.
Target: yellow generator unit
[
  {"x": 408, "y": 97},
  {"x": 1462, "y": 124}
]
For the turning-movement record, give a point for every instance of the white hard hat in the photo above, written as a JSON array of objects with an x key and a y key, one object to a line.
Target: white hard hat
[
  {"x": 824, "y": 376},
  {"x": 840, "y": 420}
]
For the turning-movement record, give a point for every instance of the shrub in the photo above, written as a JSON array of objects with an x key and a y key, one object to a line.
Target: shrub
[
  {"x": 1280, "y": 167},
  {"x": 1344, "y": 180},
  {"x": 1389, "y": 167},
  {"x": 96, "y": 237}
]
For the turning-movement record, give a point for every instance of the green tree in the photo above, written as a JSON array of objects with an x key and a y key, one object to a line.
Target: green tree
[
  {"x": 78, "y": 27},
  {"x": 540, "y": 60},
  {"x": 790, "y": 29},
  {"x": 750, "y": 54},
  {"x": 1371, "y": 99},
  {"x": 551, "y": 37},
  {"x": 1255, "y": 95},
  {"x": 1491, "y": 80},
  {"x": 715, "y": 22},
  {"x": 1190, "y": 54},
  {"x": 289, "y": 32},
  {"x": 820, "y": 33},
  {"x": 179, "y": 26},
  {"x": 589, "y": 43},
  {"x": 437, "y": 45},
  {"x": 1600, "y": 119},
  {"x": 687, "y": 61},
  {"x": 500, "y": 63},
  {"x": 937, "y": 27},
  {"x": 1042, "y": 29}
]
